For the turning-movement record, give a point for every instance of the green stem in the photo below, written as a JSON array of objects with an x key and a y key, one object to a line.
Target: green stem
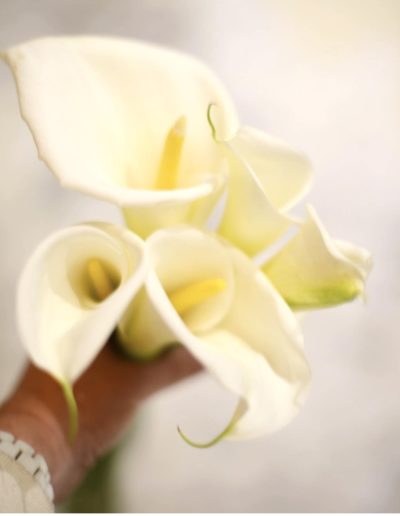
[
  {"x": 73, "y": 416},
  {"x": 98, "y": 492}
]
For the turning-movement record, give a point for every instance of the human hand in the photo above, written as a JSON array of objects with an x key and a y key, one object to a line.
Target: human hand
[{"x": 107, "y": 395}]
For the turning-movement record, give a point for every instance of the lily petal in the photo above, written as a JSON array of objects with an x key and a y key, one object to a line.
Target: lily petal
[
  {"x": 261, "y": 344},
  {"x": 253, "y": 347},
  {"x": 315, "y": 271},
  {"x": 192, "y": 205},
  {"x": 249, "y": 219},
  {"x": 99, "y": 110},
  {"x": 284, "y": 173},
  {"x": 178, "y": 257},
  {"x": 62, "y": 325}
]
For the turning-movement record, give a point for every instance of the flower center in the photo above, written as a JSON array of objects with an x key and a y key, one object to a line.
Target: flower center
[
  {"x": 169, "y": 165},
  {"x": 185, "y": 298},
  {"x": 102, "y": 280}
]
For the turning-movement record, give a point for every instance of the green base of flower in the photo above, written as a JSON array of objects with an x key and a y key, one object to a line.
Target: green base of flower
[
  {"x": 141, "y": 355},
  {"x": 323, "y": 297}
]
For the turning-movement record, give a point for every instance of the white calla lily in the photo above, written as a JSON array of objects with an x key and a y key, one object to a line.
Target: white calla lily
[
  {"x": 314, "y": 271},
  {"x": 211, "y": 298},
  {"x": 112, "y": 118},
  {"x": 284, "y": 173},
  {"x": 131, "y": 123},
  {"x": 72, "y": 293},
  {"x": 266, "y": 179},
  {"x": 126, "y": 122}
]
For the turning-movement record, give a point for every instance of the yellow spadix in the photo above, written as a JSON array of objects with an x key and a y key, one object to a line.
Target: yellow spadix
[
  {"x": 185, "y": 298},
  {"x": 100, "y": 280},
  {"x": 169, "y": 165}
]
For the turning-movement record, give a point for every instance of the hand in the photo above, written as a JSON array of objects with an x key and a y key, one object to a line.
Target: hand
[{"x": 107, "y": 395}]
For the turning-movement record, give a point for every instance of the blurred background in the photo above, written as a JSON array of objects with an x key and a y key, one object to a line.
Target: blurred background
[{"x": 323, "y": 75}]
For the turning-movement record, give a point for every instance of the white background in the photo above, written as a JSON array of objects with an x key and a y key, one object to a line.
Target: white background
[{"x": 325, "y": 76}]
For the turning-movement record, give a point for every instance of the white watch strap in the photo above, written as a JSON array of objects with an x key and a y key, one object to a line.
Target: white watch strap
[{"x": 31, "y": 461}]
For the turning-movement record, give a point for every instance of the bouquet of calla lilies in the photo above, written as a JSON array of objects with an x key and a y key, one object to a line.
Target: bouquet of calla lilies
[{"x": 153, "y": 131}]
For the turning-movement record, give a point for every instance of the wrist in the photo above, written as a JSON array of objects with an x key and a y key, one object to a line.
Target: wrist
[{"x": 36, "y": 414}]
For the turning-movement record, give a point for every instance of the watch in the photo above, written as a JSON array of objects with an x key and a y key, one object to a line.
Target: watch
[{"x": 31, "y": 461}]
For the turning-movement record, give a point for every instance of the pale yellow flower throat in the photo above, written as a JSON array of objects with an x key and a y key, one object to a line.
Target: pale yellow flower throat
[
  {"x": 167, "y": 175},
  {"x": 183, "y": 298},
  {"x": 100, "y": 280}
]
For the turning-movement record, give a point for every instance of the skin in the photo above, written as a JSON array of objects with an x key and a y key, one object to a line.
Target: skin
[{"x": 107, "y": 395}]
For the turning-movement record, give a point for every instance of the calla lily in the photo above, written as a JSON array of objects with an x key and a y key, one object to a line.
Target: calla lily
[
  {"x": 266, "y": 178},
  {"x": 73, "y": 292},
  {"x": 210, "y": 297},
  {"x": 198, "y": 291},
  {"x": 134, "y": 124},
  {"x": 315, "y": 271},
  {"x": 126, "y": 122}
]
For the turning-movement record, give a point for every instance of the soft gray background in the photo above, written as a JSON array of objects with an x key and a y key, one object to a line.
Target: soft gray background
[{"x": 325, "y": 76}]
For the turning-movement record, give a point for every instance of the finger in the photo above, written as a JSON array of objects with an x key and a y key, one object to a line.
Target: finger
[{"x": 175, "y": 365}]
